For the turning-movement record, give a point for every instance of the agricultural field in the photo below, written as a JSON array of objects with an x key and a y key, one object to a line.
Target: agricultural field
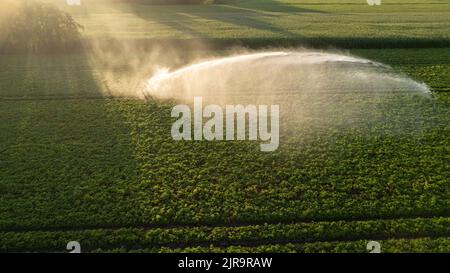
[
  {"x": 80, "y": 163},
  {"x": 396, "y": 23}
]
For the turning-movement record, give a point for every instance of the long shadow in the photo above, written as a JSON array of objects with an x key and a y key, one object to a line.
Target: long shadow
[
  {"x": 65, "y": 156},
  {"x": 176, "y": 17},
  {"x": 239, "y": 13},
  {"x": 266, "y": 6},
  {"x": 47, "y": 76},
  {"x": 249, "y": 14}
]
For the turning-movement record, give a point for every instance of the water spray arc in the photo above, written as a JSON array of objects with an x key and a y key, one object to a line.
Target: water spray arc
[{"x": 273, "y": 76}]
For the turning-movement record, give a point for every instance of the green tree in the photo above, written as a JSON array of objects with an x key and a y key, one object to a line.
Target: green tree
[{"x": 37, "y": 27}]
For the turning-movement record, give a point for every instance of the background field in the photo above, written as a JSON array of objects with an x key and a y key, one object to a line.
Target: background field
[
  {"x": 352, "y": 23},
  {"x": 78, "y": 164}
]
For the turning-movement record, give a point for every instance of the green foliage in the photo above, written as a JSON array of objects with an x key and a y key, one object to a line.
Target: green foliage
[
  {"x": 265, "y": 23},
  {"x": 256, "y": 236},
  {"x": 167, "y": 2},
  {"x": 171, "y": 2},
  {"x": 38, "y": 27},
  {"x": 421, "y": 245},
  {"x": 77, "y": 166},
  {"x": 106, "y": 172}
]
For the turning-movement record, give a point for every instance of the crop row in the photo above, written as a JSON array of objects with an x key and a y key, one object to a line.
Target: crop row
[
  {"x": 81, "y": 164},
  {"x": 418, "y": 245},
  {"x": 136, "y": 238}
]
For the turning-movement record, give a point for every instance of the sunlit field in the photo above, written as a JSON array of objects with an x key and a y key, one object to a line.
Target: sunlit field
[
  {"x": 83, "y": 158},
  {"x": 396, "y": 23}
]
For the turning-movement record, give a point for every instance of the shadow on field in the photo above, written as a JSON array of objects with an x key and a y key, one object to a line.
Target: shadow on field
[
  {"x": 47, "y": 76},
  {"x": 253, "y": 15},
  {"x": 266, "y": 6},
  {"x": 66, "y": 158}
]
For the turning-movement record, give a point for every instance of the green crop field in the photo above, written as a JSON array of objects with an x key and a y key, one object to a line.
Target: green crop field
[
  {"x": 351, "y": 24},
  {"x": 80, "y": 164}
]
